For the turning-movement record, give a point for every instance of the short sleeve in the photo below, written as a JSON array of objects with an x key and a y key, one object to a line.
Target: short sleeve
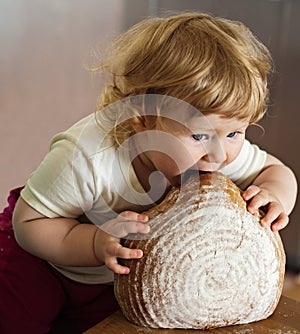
[
  {"x": 63, "y": 185},
  {"x": 248, "y": 164}
]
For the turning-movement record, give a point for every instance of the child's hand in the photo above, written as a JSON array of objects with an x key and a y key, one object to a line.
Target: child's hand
[
  {"x": 258, "y": 198},
  {"x": 107, "y": 245}
]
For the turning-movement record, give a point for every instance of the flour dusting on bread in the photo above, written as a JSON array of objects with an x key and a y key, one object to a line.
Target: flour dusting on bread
[{"x": 208, "y": 263}]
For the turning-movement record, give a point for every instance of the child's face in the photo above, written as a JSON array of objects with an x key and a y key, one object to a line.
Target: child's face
[{"x": 204, "y": 143}]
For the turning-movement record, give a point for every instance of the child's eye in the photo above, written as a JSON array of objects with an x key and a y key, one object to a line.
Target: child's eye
[
  {"x": 199, "y": 137},
  {"x": 232, "y": 134}
]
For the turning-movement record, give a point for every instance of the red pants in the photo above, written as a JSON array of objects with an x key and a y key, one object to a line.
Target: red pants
[{"x": 33, "y": 294}]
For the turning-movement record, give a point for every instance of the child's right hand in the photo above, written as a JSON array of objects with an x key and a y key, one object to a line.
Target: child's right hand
[{"x": 107, "y": 245}]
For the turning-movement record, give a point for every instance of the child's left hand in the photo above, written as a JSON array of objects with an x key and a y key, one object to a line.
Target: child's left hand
[{"x": 258, "y": 198}]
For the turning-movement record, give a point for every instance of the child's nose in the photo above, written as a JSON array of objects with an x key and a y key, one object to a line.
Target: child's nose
[{"x": 216, "y": 152}]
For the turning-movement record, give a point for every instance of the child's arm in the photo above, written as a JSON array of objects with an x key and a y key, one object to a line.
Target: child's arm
[
  {"x": 67, "y": 242},
  {"x": 274, "y": 191}
]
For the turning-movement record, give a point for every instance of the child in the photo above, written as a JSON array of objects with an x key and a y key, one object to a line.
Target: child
[{"x": 183, "y": 91}]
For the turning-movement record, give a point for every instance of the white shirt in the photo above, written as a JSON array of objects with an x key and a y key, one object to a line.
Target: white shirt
[{"x": 84, "y": 174}]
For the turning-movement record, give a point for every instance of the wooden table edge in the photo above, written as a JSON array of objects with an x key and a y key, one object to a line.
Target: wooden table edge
[{"x": 285, "y": 318}]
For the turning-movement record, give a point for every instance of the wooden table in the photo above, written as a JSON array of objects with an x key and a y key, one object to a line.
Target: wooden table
[{"x": 285, "y": 320}]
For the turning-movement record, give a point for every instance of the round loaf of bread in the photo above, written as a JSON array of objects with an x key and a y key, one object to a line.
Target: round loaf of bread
[{"x": 207, "y": 261}]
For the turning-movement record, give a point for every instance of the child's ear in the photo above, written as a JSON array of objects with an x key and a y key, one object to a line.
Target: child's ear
[{"x": 138, "y": 124}]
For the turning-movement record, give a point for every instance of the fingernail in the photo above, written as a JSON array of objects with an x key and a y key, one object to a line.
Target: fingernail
[
  {"x": 139, "y": 253},
  {"x": 125, "y": 270},
  {"x": 142, "y": 217},
  {"x": 263, "y": 224},
  {"x": 147, "y": 229}
]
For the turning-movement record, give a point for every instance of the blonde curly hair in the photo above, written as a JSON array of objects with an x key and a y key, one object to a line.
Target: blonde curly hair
[{"x": 214, "y": 64}]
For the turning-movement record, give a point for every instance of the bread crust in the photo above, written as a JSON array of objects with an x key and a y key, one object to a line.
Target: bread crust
[{"x": 207, "y": 262}]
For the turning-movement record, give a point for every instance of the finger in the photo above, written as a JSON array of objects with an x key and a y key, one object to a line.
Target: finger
[
  {"x": 113, "y": 265},
  {"x": 257, "y": 202},
  {"x": 116, "y": 250},
  {"x": 128, "y": 253},
  {"x": 121, "y": 226},
  {"x": 274, "y": 213},
  {"x": 122, "y": 229},
  {"x": 133, "y": 227},
  {"x": 133, "y": 223},
  {"x": 123, "y": 253},
  {"x": 131, "y": 215},
  {"x": 281, "y": 223},
  {"x": 250, "y": 192}
]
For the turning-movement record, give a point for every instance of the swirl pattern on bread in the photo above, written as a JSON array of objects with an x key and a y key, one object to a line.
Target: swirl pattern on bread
[{"x": 208, "y": 263}]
